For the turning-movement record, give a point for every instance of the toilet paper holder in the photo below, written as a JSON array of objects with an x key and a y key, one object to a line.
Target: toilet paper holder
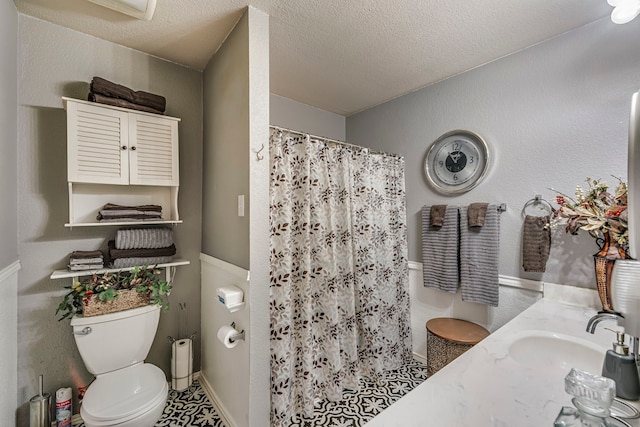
[{"x": 238, "y": 336}]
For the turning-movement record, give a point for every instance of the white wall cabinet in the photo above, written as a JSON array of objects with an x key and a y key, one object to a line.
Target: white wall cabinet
[
  {"x": 110, "y": 145},
  {"x": 122, "y": 156}
]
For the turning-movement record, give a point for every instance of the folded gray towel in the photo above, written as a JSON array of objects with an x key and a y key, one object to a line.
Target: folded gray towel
[
  {"x": 78, "y": 261},
  {"x": 479, "y": 256},
  {"x": 437, "y": 215},
  {"x": 149, "y": 238},
  {"x": 440, "y": 251},
  {"x": 477, "y": 213},
  {"x": 89, "y": 266},
  {"x": 536, "y": 243},
  {"x": 139, "y": 261}
]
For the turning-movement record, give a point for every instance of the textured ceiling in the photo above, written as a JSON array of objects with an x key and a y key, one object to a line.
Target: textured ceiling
[{"x": 341, "y": 56}]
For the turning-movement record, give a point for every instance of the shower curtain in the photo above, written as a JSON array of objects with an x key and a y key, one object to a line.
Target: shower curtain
[{"x": 339, "y": 297}]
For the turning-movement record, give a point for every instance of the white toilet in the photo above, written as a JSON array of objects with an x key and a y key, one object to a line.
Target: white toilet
[{"x": 126, "y": 392}]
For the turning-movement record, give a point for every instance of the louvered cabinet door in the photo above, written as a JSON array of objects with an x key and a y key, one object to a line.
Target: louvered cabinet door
[
  {"x": 153, "y": 155},
  {"x": 98, "y": 145}
]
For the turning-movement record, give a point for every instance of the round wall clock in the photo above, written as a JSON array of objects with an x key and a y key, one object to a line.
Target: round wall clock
[{"x": 456, "y": 162}]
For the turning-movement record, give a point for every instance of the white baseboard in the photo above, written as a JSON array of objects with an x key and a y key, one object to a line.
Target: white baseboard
[
  {"x": 9, "y": 270},
  {"x": 419, "y": 358},
  {"x": 215, "y": 401},
  {"x": 512, "y": 282}
]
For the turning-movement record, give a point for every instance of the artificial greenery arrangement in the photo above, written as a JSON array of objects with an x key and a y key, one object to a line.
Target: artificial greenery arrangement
[{"x": 143, "y": 282}]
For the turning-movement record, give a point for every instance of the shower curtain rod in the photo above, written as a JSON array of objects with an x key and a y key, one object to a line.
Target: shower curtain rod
[{"x": 334, "y": 141}]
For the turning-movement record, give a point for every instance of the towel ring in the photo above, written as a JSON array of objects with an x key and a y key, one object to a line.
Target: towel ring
[{"x": 538, "y": 200}]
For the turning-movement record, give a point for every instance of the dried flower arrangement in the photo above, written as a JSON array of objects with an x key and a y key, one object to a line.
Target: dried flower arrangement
[
  {"x": 596, "y": 211},
  {"x": 139, "y": 286}
]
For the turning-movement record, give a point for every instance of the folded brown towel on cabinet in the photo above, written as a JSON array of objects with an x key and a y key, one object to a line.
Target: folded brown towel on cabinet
[
  {"x": 138, "y": 253},
  {"x": 536, "y": 243},
  {"x": 477, "y": 212},
  {"x": 437, "y": 215},
  {"x": 109, "y": 89},
  {"x": 101, "y": 99},
  {"x": 152, "y": 100},
  {"x": 103, "y": 87}
]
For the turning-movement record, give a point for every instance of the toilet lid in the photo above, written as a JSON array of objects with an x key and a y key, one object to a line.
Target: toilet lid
[{"x": 124, "y": 393}]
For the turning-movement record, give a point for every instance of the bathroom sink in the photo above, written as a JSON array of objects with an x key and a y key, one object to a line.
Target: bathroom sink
[{"x": 552, "y": 351}]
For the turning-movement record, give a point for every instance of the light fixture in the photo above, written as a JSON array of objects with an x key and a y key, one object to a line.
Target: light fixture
[
  {"x": 624, "y": 10},
  {"x": 141, "y": 9}
]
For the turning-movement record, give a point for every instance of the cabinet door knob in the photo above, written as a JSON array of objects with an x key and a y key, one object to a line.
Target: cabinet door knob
[
  {"x": 124, "y": 147},
  {"x": 133, "y": 148}
]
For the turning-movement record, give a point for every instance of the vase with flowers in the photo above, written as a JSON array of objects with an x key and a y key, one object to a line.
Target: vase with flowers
[{"x": 604, "y": 216}]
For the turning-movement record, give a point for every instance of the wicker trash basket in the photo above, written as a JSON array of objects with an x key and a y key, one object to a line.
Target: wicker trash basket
[
  {"x": 449, "y": 338},
  {"x": 125, "y": 300}
]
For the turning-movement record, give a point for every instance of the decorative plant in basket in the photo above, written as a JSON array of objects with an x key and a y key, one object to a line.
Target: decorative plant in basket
[
  {"x": 604, "y": 216},
  {"x": 111, "y": 292}
]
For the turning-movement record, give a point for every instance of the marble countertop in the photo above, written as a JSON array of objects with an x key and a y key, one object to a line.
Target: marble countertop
[{"x": 485, "y": 387}]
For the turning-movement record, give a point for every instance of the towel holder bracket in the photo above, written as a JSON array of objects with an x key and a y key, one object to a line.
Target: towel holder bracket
[{"x": 537, "y": 201}]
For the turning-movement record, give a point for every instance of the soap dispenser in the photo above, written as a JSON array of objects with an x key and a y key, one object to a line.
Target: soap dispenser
[{"x": 621, "y": 367}]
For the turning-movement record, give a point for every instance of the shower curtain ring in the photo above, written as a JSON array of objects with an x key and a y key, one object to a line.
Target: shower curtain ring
[{"x": 258, "y": 155}]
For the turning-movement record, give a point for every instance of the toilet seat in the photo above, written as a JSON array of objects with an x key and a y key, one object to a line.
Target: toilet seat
[{"x": 122, "y": 395}]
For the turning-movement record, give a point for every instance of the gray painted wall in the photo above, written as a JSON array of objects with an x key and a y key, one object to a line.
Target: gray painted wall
[
  {"x": 290, "y": 114},
  {"x": 259, "y": 172},
  {"x": 225, "y": 235},
  {"x": 8, "y": 134},
  {"x": 8, "y": 210},
  {"x": 54, "y": 62},
  {"x": 553, "y": 115},
  {"x": 236, "y": 126}
]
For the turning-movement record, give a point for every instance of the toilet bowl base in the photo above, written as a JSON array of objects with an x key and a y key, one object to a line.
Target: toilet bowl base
[{"x": 145, "y": 419}]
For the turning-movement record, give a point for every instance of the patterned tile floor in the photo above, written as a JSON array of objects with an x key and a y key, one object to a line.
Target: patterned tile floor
[
  {"x": 187, "y": 408},
  {"x": 192, "y": 408},
  {"x": 357, "y": 408}
]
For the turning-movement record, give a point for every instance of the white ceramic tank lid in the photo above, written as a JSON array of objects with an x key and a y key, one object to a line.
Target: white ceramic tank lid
[
  {"x": 125, "y": 393},
  {"x": 86, "y": 321}
]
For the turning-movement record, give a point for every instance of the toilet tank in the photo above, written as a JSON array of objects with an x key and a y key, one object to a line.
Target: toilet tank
[{"x": 115, "y": 340}]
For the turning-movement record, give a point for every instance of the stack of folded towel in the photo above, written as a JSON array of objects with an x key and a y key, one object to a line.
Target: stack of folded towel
[
  {"x": 85, "y": 260},
  {"x": 119, "y": 213},
  {"x": 105, "y": 92},
  {"x": 142, "y": 246}
]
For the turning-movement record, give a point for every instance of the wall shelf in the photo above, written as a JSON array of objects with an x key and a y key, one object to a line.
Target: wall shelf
[{"x": 65, "y": 274}]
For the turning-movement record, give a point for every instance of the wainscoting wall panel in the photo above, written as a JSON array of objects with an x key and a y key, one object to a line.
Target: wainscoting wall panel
[
  {"x": 426, "y": 303},
  {"x": 9, "y": 340},
  {"x": 225, "y": 371}
]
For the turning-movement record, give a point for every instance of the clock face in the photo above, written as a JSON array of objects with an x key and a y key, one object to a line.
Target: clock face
[{"x": 456, "y": 162}]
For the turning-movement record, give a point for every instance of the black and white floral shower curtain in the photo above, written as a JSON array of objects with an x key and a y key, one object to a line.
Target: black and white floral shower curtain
[{"x": 339, "y": 271}]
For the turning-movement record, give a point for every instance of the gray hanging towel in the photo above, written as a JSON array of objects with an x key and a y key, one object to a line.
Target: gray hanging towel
[
  {"x": 479, "y": 254},
  {"x": 536, "y": 243},
  {"x": 440, "y": 251}
]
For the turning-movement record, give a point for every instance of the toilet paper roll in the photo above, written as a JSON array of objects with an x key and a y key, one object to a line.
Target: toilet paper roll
[
  {"x": 181, "y": 364},
  {"x": 224, "y": 336}
]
